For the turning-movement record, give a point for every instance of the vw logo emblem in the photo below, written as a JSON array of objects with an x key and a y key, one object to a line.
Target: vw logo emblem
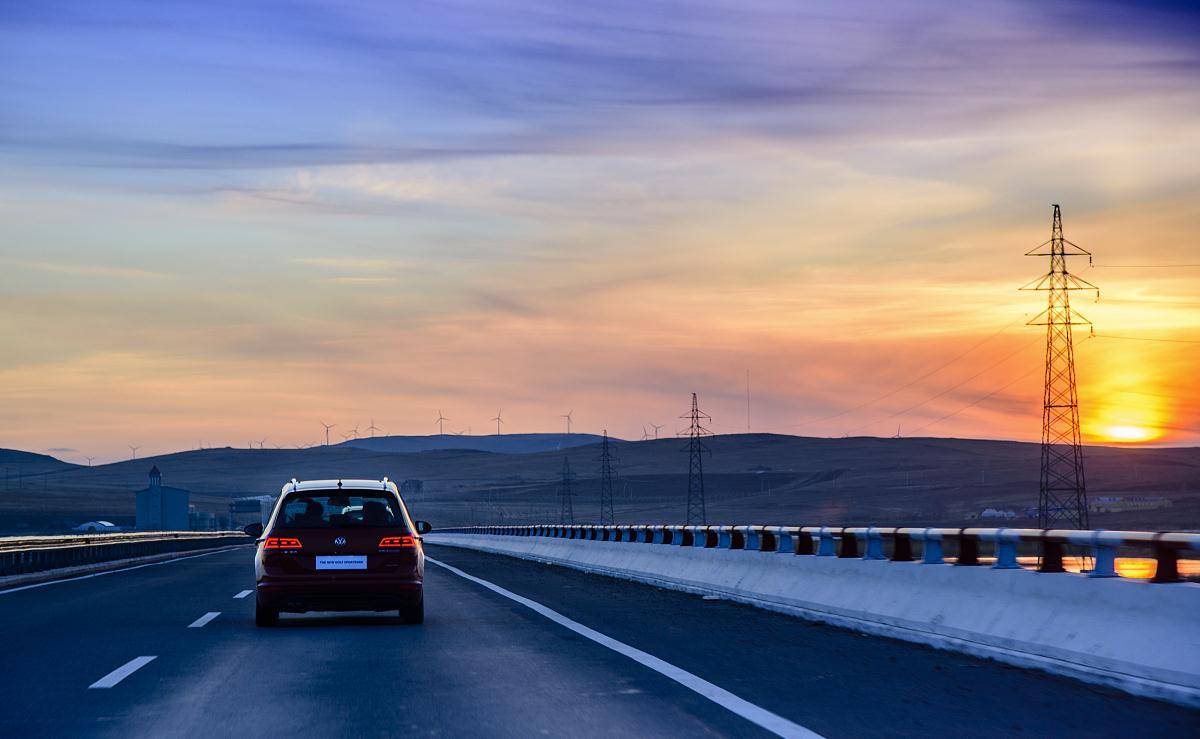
[{"x": 340, "y": 541}]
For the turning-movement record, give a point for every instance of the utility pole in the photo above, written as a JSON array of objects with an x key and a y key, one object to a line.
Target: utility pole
[
  {"x": 1062, "y": 492},
  {"x": 696, "y": 450},
  {"x": 606, "y": 482},
  {"x": 566, "y": 512}
]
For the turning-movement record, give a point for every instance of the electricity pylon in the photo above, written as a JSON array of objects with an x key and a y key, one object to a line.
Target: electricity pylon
[
  {"x": 606, "y": 482},
  {"x": 1062, "y": 491},
  {"x": 566, "y": 511},
  {"x": 696, "y": 450}
]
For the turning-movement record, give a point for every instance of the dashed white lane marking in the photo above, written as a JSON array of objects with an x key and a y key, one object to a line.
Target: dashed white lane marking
[
  {"x": 113, "y": 572},
  {"x": 198, "y": 623},
  {"x": 243, "y": 594},
  {"x": 756, "y": 714},
  {"x": 121, "y": 672}
]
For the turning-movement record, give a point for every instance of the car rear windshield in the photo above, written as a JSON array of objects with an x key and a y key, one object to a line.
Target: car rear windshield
[{"x": 336, "y": 510}]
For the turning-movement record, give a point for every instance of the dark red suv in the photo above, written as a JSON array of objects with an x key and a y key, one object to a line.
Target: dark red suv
[{"x": 339, "y": 545}]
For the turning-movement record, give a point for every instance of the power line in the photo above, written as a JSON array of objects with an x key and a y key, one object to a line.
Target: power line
[
  {"x": 979, "y": 400},
  {"x": 1148, "y": 338},
  {"x": 950, "y": 389},
  {"x": 910, "y": 383},
  {"x": 1143, "y": 266}
]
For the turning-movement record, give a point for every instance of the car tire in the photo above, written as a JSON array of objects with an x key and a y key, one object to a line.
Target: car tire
[
  {"x": 413, "y": 613},
  {"x": 264, "y": 616}
]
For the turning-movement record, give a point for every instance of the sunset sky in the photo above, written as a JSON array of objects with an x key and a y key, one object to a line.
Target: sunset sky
[{"x": 227, "y": 221}]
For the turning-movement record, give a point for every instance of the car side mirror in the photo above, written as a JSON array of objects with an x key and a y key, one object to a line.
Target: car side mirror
[
  {"x": 253, "y": 530},
  {"x": 423, "y": 527}
]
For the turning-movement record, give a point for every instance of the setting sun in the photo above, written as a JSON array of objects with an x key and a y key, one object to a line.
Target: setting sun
[{"x": 1130, "y": 433}]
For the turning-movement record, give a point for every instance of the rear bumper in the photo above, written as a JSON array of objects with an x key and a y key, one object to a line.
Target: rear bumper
[{"x": 367, "y": 593}]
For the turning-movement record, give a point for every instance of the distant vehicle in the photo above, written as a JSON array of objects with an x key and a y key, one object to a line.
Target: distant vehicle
[
  {"x": 339, "y": 545},
  {"x": 97, "y": 527}
]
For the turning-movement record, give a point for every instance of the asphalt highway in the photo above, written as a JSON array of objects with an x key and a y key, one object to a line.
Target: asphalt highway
[{"x": 516, "y": 649}]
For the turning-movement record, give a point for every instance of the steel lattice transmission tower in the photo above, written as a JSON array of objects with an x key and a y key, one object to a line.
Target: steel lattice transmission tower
[
  {"x": 1062, "y": 493},
  {"x": 607, "y": 476},
  {"x": 566, "y": 511},
  {"x": 696, "y": 450}
]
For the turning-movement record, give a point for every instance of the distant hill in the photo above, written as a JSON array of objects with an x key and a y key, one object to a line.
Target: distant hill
[
  {"x": 750, "y": 478},
  {"x": 497, "y": 444},
  {"x": 17, "y": 461}
]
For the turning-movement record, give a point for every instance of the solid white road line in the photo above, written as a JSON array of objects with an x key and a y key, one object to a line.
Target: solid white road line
[
  {"x": 243, "y": 594},
  {"x": 113, "y": 572},
  {"x": 198, "y": 623},
  {"x": 121, "y": 672},
  {"x": 755, "y": 714}
]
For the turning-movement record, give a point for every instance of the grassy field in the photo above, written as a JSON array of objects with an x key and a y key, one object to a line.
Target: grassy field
[{"x": 751, "y": 478}]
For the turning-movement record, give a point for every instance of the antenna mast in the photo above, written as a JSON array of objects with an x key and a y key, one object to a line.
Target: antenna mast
[
  {"x": 1062, "y": 492},
  {"x": 696, "y": 450}
]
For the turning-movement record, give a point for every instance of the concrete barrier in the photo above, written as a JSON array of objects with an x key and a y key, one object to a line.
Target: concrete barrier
[{"x": 1141, "y": 637}]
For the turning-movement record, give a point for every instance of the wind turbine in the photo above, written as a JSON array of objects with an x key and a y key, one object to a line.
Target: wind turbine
[
  {"x": 89, "y": 459},
  {"x": 568, "y": 417},
  {"x": 327, "y": 427},
  {"x": 645, "y": 433},
  {"x": 373, "y": 428},
  {"x": 656, "y": 426},
  {"x": 499, "y": 420},
  {"x": 354, "y": 431},
  {"x": 261, "y": 442},
  {"x": 440, "y": 420},
  {"x": 133, "y": 449}
]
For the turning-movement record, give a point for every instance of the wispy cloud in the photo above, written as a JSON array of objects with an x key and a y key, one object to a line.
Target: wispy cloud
[
  {"x": 594, "y": 206},
  {"x": 87, "y": 270}
]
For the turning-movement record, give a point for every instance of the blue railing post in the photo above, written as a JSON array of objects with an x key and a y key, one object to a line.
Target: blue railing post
[
  {"x": 1104, "y": 553},
  {"x": 827, "y": 546},
  {"x": 752, "y": 537},
  {"x": 1006, "y": 550},
  {"x": 931, "y": 553},
  {"x": 785, "y": 543},
  {"x": 724, "y": 537},
  {"x": 874, "y": 544}
]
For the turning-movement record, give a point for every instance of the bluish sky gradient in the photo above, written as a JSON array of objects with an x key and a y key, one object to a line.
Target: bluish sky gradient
[{"x": 225, "y": 220}]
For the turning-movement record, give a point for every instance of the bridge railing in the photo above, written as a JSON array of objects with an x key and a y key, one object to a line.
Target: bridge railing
[
  {"x": 29, "y": 554},
  {"x": 895, "y": 544}
]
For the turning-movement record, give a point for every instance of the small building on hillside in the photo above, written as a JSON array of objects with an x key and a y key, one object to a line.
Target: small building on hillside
[{"x": 161, "y": 507}]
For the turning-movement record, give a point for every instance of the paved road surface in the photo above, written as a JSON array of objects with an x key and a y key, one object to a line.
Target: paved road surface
[{"x": 484, "y": 664}]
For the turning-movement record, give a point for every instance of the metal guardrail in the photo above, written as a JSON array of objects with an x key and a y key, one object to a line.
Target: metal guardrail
[
  {"x": 26, "y": 554},
  {"x": 894, "y": 544},
  {"x": 67, "y": 540}
]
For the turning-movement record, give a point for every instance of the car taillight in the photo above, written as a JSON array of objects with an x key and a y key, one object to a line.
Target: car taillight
[
  {"x": 281, "y": 542},
  {"x": 397, "y": 542}
]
